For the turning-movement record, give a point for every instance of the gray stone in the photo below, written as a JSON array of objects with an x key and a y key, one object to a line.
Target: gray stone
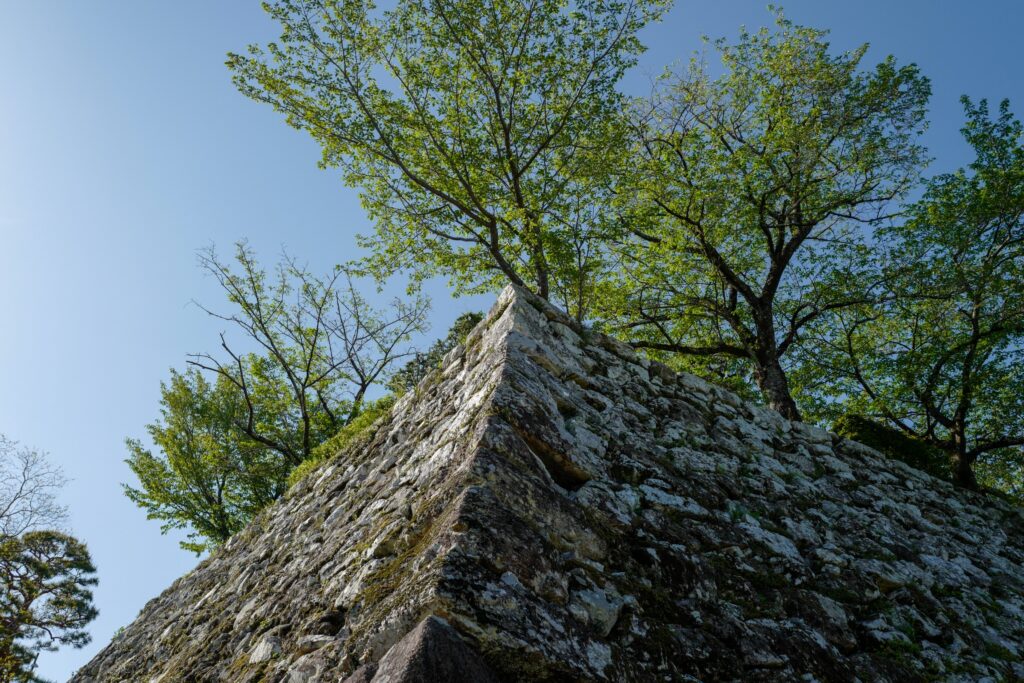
[
  {"x": 307, "y": 644},
  {"x": 268, "y": 648},
  {"x": 432, "y": 651},
  {"x": 598, "y": 608}
]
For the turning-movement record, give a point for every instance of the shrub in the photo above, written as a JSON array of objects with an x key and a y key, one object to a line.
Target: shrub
[{"x": 894, "y": 443}]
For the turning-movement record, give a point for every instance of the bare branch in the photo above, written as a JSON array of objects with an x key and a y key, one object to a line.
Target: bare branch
[{"x": 28, "y": 485}]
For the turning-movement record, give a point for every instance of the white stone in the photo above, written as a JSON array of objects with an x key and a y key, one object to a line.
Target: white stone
[{"x": 265, "y": 650}]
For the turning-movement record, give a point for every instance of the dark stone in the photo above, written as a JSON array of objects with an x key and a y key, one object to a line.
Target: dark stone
[{"x": 363, "y": 674}]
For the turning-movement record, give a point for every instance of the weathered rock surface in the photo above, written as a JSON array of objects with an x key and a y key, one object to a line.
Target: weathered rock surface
[
  {"x": 569, "y": 511},
  {"x": 432, "y": 651}
]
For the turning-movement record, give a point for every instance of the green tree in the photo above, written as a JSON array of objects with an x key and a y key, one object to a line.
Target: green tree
[
  {"x": 748, "y": 198},
  {"x": 227, "y": 441},
  {"x": 940, "y": 358},
  {"x": 45, "y": 598},
  {"x": 474, "y": 129},
  {"x": 210, "y": 478}
]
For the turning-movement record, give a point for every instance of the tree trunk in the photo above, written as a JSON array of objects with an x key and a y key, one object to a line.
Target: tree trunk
[
  {"x": 768, "y": 372},
  {"x": 771, "y": 380},
  {"x": 963, "y": 464},
  {"x": 539, "y": 261},
  {"x": 963, "y": 474}
]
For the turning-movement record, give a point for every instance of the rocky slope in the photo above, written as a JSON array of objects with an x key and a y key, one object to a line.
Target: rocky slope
[{"x": 549, "y": 506}]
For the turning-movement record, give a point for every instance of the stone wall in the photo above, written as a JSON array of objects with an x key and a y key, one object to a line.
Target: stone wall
[{"x": 575, "y": 512}]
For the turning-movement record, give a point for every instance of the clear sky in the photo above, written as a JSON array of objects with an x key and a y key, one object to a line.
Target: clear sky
[{"x": 124, "y": 148}]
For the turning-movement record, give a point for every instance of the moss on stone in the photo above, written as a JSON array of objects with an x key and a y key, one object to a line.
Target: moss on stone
[
  {"x": 1000, "y": 652},
  {"x": 359, "y": 431}
]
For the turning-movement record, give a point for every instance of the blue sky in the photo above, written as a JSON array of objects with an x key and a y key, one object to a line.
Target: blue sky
[{"x": 124, "y": 148}]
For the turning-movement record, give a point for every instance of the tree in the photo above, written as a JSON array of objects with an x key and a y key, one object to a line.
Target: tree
[
  {"x": 45, "y": 575},
  {"x": 211, "y": 478},
  {"x": 748, "y": 195},
  {"x": 229, "y": 440},
  {"x": 941, "y": 357},
  {"x": 45, "y": 598},
  {"x": 473, "y": 129},
  {"x": 321, "y": 348}
]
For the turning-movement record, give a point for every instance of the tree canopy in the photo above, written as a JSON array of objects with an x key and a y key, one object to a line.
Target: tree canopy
[
  {"x": 747, "y": 196},
  {"x": 474, "y": 129},
  {"x": 209, "y": 478},
  {"x": 939, "y": 356},
  {"x": 45, "y": 598},
  {"x": 748, "y": 224}
]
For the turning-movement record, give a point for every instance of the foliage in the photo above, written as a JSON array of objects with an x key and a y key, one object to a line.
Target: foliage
[
  {"x": 228, "y": 440},
  {"x": 1003, "y": 474},
  {"x": 211, "y": 478},
  {"x": 423, "y": 362},
  {"x": 940, "y": 356},
  {"x": 748, "y": 196},
  {"x": 894, "y": 443},
  {"x": 740, "y": 226},
  {"x": 474, "y": 129},
  {"x": 346, "y": 436},
  {"x": 45, "y": 601}
]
